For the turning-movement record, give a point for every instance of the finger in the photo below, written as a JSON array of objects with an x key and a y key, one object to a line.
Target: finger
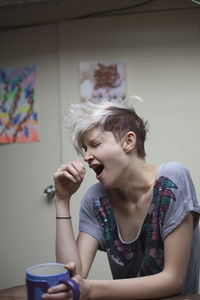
[
  {"x": 75, "y": 172},
  {"x": 76, "y": 162},
  {"x": 75, "y": 168},
  {"x": 72, "y": 268},
  {"x": 64, "y": 174},
  {"x": 58, "y": 288},
  {"x": 64, "y": 295},
  {"x": 79, "y": 167}
]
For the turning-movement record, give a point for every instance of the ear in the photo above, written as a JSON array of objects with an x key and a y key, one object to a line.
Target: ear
[{"x": 129, "y": 141}]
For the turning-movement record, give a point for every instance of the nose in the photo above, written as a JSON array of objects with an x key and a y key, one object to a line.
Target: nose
[{"x": 88, "y": 156}]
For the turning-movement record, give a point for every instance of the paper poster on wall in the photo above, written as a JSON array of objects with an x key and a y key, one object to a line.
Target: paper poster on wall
[
  {"x": 18, "y": 115},
  {"x": 102, "y": 79}
]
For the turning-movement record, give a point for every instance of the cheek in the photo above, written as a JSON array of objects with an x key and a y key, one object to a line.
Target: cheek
[
  {"x": 117, "y": 161},
  {"x": 112, "y": 155}
]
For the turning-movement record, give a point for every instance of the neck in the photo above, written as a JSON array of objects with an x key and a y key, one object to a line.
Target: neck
[{"x": 138, "y": 180}]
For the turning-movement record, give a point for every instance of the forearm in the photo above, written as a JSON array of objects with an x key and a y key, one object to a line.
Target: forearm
[
  {"x": 66, "y": 248},
  {"x": 148, "y": 287}
]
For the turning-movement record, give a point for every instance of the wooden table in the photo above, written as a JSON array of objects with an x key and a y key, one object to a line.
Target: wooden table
[
  {"x": 19, "y": 293},
  {"x": 182, "y": 297}
]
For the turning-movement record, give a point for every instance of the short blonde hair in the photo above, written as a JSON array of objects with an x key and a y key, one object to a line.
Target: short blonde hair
[{"x": 108, "y": 114}]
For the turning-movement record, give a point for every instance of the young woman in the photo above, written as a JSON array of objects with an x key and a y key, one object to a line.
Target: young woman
[{"x": 145, "y": 217}]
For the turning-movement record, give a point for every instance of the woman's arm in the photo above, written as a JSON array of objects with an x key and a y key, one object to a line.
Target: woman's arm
[
  {"x": 168, "y": 282},
  {"x": 66, "y": 248},
  {"x": 87, "y": 248},
  {"x": 68, "y": 179}
]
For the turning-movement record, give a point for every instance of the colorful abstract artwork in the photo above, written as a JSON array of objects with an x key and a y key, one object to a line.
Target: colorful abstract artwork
[
  {"x": 102, "y": 79},
  {"x": 18, "y": 116}
]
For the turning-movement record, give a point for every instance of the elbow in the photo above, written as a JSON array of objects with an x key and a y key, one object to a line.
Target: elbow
[
  {"x": 179, "y": 281},
  {"x": 176, "y": 284}
]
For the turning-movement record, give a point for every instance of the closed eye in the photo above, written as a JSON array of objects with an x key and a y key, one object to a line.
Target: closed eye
[{"x": 95, "y": 145}]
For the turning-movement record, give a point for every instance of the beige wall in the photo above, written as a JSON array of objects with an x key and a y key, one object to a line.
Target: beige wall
[
  {"x": 162, "y": 56},
  {"x": 27, "y": 220}
]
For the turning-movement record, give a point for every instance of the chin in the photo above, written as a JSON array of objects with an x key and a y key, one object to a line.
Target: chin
[{"x": 108, "y": 185}]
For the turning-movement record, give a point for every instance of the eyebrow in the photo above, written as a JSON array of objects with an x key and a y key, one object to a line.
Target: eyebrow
[{"x": 94, "y": 139}]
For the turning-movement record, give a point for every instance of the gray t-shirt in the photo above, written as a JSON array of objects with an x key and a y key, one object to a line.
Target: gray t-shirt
[{"x": 172, "y": 199}]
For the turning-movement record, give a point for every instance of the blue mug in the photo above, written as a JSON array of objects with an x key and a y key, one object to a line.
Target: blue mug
[{"x": 39, "y": 278}]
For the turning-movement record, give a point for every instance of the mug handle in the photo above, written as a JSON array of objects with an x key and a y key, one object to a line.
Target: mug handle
[{"x": 73, "y": 285}]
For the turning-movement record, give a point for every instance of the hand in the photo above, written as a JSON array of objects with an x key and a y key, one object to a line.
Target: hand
[
  {"x": 62, "y": 291},
  {"x": 68, "y": 179},
  {"x": 58, "y": 292}
]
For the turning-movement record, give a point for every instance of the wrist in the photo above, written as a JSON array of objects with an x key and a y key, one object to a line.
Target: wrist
[
  {"x": 58, "y": 198},
  {"x": 101, "y": 289},
  {"x": 90, "y": 289},
  {"x": 62, "y": 208},
  {"x": 93, "y": 289}
]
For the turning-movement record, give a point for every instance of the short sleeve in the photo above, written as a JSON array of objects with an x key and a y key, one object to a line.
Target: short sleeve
[
  {"x": 88, "y": 221},
  {"x": 184, "y": 198}
]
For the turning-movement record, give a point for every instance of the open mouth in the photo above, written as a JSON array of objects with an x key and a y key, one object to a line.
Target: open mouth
[{"x": 98, "y": 169}]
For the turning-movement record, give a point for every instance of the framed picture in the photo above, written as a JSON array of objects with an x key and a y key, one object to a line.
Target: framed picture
[
  {"x": 102, "y": 79},
  {"x": 18, "y": 116}
]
